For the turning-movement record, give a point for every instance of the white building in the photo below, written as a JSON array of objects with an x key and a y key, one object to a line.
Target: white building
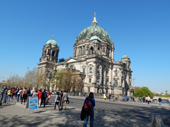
[{"x": 94, "y": 56}]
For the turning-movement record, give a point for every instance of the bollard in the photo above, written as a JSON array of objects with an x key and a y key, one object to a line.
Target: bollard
[
  {"x": 1, "y": 97},
  {"x": 157, "y": 121}
]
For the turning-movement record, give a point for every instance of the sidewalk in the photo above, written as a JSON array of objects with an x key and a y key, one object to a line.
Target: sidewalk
[
  {"x": 15, "y": 116},
  {"x": 166, "y": 106}
]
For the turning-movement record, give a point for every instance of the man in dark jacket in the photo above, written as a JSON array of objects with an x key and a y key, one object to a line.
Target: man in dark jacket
[
  {"x": 160, "y": 101},
  {"x": 43, "y": 97},
  {"x": 61, "y": 95},
  {"x": 143, "y": 99}
]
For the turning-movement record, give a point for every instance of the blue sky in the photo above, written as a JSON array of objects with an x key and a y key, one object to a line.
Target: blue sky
[{"x": 141, "y": 28}]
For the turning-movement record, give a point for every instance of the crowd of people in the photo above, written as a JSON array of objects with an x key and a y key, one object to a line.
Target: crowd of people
[{"x": 22, "y": 95}]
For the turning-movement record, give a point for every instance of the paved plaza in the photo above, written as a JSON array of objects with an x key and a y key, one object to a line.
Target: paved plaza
[{"x": 115, "y": 114}]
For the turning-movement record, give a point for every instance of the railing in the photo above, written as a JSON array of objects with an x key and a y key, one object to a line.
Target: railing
[{"x": 116, "y": 98}]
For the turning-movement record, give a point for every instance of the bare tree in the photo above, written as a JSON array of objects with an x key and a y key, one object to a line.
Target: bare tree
[
  {"x": 15, "y": 81},
  {"x": 30, "y": 78}
]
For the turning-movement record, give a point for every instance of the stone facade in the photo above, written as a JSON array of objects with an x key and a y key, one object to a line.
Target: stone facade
[{"x": 94, "y": 56}]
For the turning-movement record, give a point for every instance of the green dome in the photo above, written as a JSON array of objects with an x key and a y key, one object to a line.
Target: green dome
[
  {"x": 125, "y": 57},
  {"x": 95, "y": 38},
  {"x": 52, "y": 41},
  {"x": 92, "y": 31}
]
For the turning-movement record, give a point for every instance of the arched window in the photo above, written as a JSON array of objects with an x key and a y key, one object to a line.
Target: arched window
[
  {"x": 90, "y": 70},
  {"x": 48, "y": 51},
  {"x": 53, "y": 53},
  {"x": 45, "y": 52},
  {"x": 115, "y": 72},
  {"x": 71, "y": 66},
  {"x": 84, "y": 70},
  {"x": 91, "y": 50}
]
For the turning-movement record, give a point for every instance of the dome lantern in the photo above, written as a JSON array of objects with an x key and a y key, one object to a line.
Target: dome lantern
[{"x": 94, "y": 20}]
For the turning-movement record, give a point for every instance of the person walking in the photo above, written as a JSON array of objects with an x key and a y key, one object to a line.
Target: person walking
[
  {"x": 32, "y": 91},
  {"x": 43, "y": 97},
  {"x": 28, "y": 93},
  {"x": 148, "y": 99},
  {"x": 57, "y": 101},
  {"x": 104, "y": 96},
  {"x": 25, "y": 95},
  {"x": 35, "y": 93},
  {"x": 39, "y": 98},
  {"x": 160, "y": 101},
  {"x": 21, "y": 96},
  {"x": 18, "y": 93},
  {"x": 9, "y": 94},
  {"x": 169, "y": 101},
  {"x": 109, "y": 97},
  {"x": 89, "y": 104},
  {"x": 61, "y": 94},
  {"x": 143, "y": 99},
  {"x": 127, "y": 97},
  {"x": 48, "y": 98},
  {"x": 13, "y": 93},
  {"x": 64, "y": 99}
]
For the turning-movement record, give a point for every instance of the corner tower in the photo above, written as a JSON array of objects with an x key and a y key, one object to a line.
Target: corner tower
[{"x": 49, "y": 54}]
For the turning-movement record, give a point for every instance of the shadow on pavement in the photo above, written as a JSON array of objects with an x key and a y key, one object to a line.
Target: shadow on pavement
[{"x": 71, "y": 118}]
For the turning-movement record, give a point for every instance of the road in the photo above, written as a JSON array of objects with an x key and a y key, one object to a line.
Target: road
[
  {"x": 143, "y": 112},
  {"x": 107, "y": 114}
]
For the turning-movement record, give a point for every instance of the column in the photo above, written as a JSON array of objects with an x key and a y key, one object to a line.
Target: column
[
  {"x": 100, "y": 75},
  {"x": 94, "y": 73},
  {"x": 104, "y": 83},
  {"x": 86, "y": 73},
  {"x": 77, "y": 51}
]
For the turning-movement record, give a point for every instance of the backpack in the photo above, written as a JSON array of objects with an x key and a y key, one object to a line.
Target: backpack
[
  {"x": 88, "y": 105},
  {"x": 45, "y": 95},
  {"x": 58, "y": 98}
]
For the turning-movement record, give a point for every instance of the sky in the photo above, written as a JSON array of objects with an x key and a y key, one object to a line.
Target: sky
[{"x": 141, "y": 28}]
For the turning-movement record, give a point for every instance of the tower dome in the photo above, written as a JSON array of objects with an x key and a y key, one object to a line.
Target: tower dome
[
  {"x": 94, "y": 30},
  {"x": 52, "y": 41},
  {"x": 125, "y": 57}
]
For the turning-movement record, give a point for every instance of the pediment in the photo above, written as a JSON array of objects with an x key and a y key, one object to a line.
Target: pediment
[{"x": 70, "y": 60}]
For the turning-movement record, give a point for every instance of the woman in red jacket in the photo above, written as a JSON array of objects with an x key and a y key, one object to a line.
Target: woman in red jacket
[
  {"x": 39, "y": 98},
  {"x": 48, "y": 98}
]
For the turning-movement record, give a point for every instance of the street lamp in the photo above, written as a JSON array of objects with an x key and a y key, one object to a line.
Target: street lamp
[
  {"x": 24, "y": 79},
  {"x": 50, "y": 76},
  {"x": 106, "y": 87}
]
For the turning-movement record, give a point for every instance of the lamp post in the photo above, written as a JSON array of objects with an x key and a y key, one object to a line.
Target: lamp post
[
  {"x": 24, "y": 79},
  {"x": 106, "y": 87},
  {"x": 50, "y": 76},
  {"x": 112, "y": 88}
]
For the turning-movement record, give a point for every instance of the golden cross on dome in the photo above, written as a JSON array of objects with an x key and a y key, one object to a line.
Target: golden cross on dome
[
  {"x": 125, "y": 52},
  {"x": 53, "y": 37}
]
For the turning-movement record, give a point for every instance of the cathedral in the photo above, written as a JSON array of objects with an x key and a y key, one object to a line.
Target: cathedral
[{"x": 94, "y": 57}]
